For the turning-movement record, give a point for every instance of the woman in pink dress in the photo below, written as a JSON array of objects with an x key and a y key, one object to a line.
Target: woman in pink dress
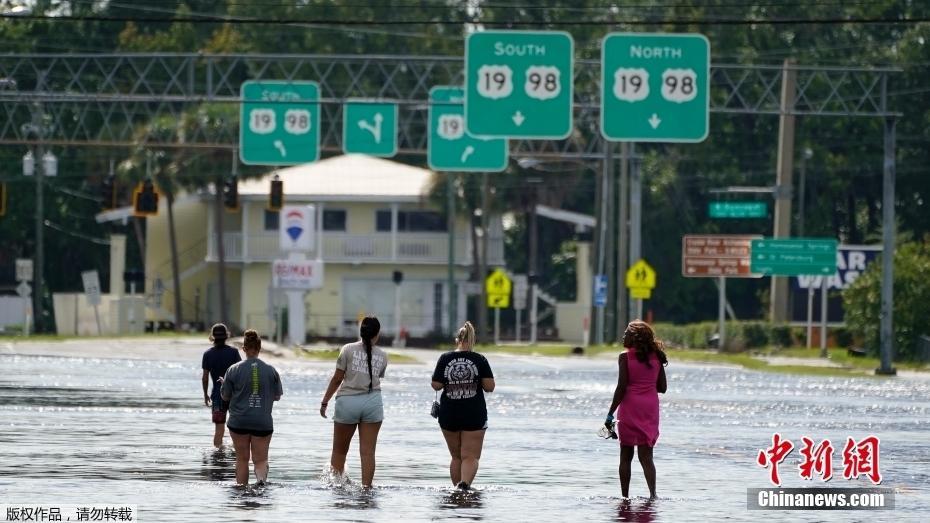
[{"x": 642, "y": 378}]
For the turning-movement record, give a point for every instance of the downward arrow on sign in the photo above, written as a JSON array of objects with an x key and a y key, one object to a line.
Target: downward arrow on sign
[
  {"x": 518, "y": 118},
  {"x": 655, "y": 121}
]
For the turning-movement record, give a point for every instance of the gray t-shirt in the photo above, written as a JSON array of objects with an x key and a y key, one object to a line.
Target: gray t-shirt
[
  {"x": 354, "y": 361},
  {"x": 250, "y": 387}
]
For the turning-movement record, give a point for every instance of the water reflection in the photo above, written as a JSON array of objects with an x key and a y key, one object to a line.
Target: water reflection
[
  {"x": 637, "y": 511},
  {"x": 459, "y": 499},
  {"x": 219, "y": 464},
  {"x": 349, "y": 496}
]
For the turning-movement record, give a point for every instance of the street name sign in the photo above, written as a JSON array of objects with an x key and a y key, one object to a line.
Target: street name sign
[
  {"x": 737, "y": 209},
  {"x": 369, "y": 127},
  {"x": 712, "y": 256},
  {"x": 655, "y": 87},
  {"x": 450, "y": 146},
  {"x": 279, "y": 122},
  {"x": 519, "y": 84},
  {"x": 794, "y": 256}
]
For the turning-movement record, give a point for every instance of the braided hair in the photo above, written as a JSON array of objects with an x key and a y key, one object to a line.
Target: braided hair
[
  {"x": 369, "y": 328},
  {"x": 640, "y": 336}
]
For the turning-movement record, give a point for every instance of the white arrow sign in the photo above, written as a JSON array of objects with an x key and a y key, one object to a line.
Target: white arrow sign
[
  {"x": 655, "y": 121},
  {"x": 518, "y": 118}
]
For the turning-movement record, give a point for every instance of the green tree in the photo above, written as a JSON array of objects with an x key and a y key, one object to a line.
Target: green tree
[{"x": 862, "y": 300}]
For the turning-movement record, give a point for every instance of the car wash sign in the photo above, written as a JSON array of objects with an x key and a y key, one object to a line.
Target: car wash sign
[
  {"x": 851, "y": 262},
  {"x": 297, "y": 227}
]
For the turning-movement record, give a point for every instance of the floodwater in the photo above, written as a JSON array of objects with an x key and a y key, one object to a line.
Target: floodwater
[{"x": 80, "y": 431}]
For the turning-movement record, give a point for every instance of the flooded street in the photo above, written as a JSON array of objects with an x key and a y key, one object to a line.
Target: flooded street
[{"x": 118, "y": 431}]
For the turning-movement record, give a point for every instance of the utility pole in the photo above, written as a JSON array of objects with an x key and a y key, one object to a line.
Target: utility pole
[
  {"x": 611, "y": 243},
  {"x": 220, "y": 249},
  {"x": 636, "y": 222},
  {"x": 450, "y": 224},
  {"x": 783, "y": 184},
  {"x": 38, "y": 128},
  {"x": 483, "y": 258},
  {"x": 623, "y": 238}
]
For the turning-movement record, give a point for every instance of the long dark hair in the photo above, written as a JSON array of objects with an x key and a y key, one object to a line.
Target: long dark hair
[
  {"x": 640, "y": 336},
  {"x": 369, "y": 328}
]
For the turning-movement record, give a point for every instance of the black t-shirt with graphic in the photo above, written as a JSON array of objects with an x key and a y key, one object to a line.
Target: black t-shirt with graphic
[{"x": 462, "y": 397}]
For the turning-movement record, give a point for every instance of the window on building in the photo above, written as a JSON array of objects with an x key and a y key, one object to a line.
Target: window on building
[
  {"x": 272, "y": 220},
  {"x": 410, "y": 221},
  {"x": 335, "y": 220}
]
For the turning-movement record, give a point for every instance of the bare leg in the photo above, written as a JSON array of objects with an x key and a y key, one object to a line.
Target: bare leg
[
  {"x": 218, "y": 432},
  {"x": 241, "y": 444},
  {"x": 260, "y": 457},
  {"x": 454, "y": 442},
  {"x": 342, "y": 438},
  {"x": 649, "y": 468},
  {"x": 626, "y": 460},
  {"x": 472, "y": 442},
  {"x": 367, "y": 442}
]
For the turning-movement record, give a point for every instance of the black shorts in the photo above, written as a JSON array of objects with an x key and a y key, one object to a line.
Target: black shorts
[
  {"x": 250, "y": 432},
  {"x": 457, "y": 424}
]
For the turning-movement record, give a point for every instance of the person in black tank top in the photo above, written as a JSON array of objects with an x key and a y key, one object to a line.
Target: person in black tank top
[{"x": 463, "y": 376}]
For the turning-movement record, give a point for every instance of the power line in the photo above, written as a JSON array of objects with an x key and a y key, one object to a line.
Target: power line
[{"x": 478, "y": 21}]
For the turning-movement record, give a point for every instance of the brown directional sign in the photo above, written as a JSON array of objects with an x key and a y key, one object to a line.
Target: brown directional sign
[{"x": 712, "y": 256}]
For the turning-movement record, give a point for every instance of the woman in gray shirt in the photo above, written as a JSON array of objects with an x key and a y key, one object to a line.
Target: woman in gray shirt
[
  {"x": 357, "y": 378},
  {"x": 251, "y": 387}
]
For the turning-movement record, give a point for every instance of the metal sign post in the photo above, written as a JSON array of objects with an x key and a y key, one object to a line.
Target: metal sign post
[{"x": 91, "y": 280}]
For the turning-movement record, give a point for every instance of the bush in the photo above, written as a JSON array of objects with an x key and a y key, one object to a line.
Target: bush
[
  {"x": 741, "y": 335},
  {"x": 862, "y": 301}
]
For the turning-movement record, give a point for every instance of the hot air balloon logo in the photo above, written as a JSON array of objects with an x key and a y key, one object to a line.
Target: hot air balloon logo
[{"x": 294, "y": 221}]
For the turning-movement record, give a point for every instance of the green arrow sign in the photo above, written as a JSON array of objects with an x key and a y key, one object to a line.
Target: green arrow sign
[
  {"x": 793, "y": 256},
  {"x": 279, "y": 122},
  {"x": 369, "y": 127},
  {"x": 451, "y": 147},
  {"x": 655, "y": 87},
  {"x": 738, "y": 209},
  {"x": 518, "y": 84}
]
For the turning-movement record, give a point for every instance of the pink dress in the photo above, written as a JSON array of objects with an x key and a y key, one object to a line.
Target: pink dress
[{"x": 638, "y": 413}]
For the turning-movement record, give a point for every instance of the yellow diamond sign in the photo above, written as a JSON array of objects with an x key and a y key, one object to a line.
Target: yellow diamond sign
[{"x": 641, "y": 277}]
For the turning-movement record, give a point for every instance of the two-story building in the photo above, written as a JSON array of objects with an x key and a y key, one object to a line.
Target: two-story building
[{"x": 375, "y": 219}]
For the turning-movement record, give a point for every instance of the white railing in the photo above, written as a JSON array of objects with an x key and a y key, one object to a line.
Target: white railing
[{"x": 426, "y": 248}]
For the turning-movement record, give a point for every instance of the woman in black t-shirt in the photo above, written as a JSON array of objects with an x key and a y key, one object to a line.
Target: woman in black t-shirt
[{"x": 463, "y": 376}]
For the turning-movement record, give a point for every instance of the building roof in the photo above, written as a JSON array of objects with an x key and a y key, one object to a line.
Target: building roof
[{"x": 351, "y": 177}]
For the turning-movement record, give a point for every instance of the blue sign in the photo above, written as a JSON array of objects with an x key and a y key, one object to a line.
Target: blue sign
[{"x": 600, "y": 290}]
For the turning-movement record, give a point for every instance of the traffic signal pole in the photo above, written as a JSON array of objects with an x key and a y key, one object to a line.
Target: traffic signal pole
[{"x": 39, "y": 173}]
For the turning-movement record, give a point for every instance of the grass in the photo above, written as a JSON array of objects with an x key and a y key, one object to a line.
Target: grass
[
  {"x": 332, "y": 354},
  {"x": 842, "y": 357}
]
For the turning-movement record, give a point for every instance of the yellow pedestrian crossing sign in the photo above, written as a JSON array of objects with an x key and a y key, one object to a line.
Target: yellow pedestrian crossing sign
[
  {"x": 498, "y": 301},
  {"x": 497, "y": 286},
  {"x": 641, "y": 279}
]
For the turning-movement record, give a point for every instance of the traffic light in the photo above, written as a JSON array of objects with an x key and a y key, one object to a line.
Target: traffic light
[
  {"x": 2, "y": 199},
  {"x": 231, "y": 194},
  {"x": 145, "y": 199},
  {"x": 276, "y": 199},
  {"x": 108, "y": 193}
]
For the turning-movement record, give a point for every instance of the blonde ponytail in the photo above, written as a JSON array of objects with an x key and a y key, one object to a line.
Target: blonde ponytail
[{"x": 466, "y": 336}]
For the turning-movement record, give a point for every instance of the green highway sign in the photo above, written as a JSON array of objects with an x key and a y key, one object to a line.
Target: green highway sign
[
  {"x": 519, "y": 84},
  {"x": 655, "y": 87},
  {"x": 793, "y": 256},
  {"x": 450, "y": 146},
  {"x": 279, "y": 122},
  {"x": 369, "y": 127},
  {"x": 738, "y": 209}
]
